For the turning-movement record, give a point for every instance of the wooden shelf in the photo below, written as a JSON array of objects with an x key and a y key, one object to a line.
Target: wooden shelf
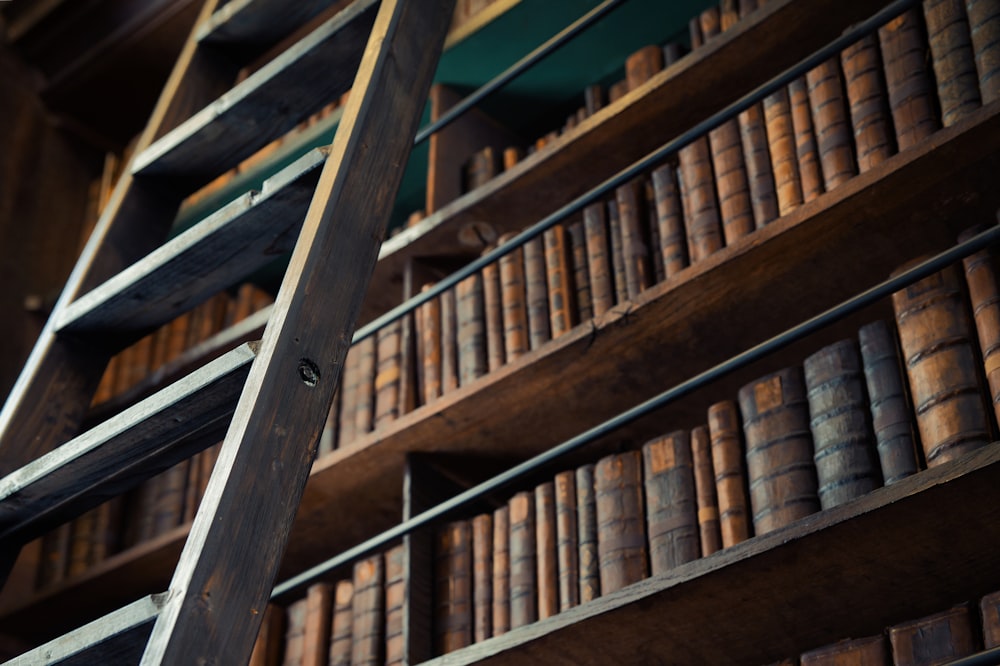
[
  {"x": 258, "y": 22},
  {"x": 900, "y": 552}
]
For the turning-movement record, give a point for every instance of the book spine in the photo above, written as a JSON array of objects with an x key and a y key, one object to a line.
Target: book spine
[
  {"x": 710, "y": 24},
  {"x": 621, "y": 533},
  {"x": 501, "y": 571},
  {"x": 935, "y": 639},
  {"x": 349, "y": 395},
  {"x": 599, "y": 267},
  {"x": 367, "y": 612},
  {"x": 454, "y": 587},
  {"x": 670, "y": 219},
  {"x": 889, "y": 404},
  {"x": 984, "y": 25},
  {"x": 586, "y": 532},
  {"x": 449, "y": 342},
  {"x": 471, "y": 329},
  {"x": 536, "y": 293},
  {"x": 704, "y": 486},
  {"x": 567, "y": 545},
  {"x": 701, "y": 212},
  {"x": 581, "y": 272},
  {"x": 389, "y": 354},
  {"x": 780, "y": 468},
  {"x": 365, "y": 402},
  {"x": 867, "y": 102},
  {"x": 108, "y": 528},
  {"x": 805, "y": 140},
  {"x": 558, "y": 272},
  {"x": 546, "y": 551},
  {"x": 168, "y": 508},
  {"x": 940, "y": 362},
  {"x": 617, "y": 90},
  {"x": 295, "y": 623},
  {"x": 643, "y": 65},
  {"x": 617, "y": 248},
  {"x": 341, "y": 631},
  {"x": 493, "y": 312},
  {"x": 593, "y": 98},
  {"x": 515, "y": 313},
  {"x": 839, "y": 418},
  {"x": 730, "y": 472},
  {"x": 316, "y": 634},
  {"x": 395, "y": 605},
  {"x": 652, "y": 225},
  {"x": 760, "y": 181},
  {"x": 870, "y": 651},
  {"x": 909, "y": 83},
  {"x": 523, "y": 595},
  {"x": 267, "y": 647},
  {"x": 482, "y": 577},
  {"x": 833, "y": 132},
  {"x": 989, "y": 609},
  {"x": 635, "y": 246},
  {"x": 781, "y": 146},
  {"x": 81, "y": 538},
  {"x": 952, "y": 58},
  {"x": 671, "y": 503},
  {"x": 984, "y": 293}
]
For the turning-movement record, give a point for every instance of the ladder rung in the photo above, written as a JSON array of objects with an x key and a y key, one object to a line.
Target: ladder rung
[
  {"x": 165, "y": 428},
  {"x": 241, "y": 237},
  {"x": 258, "y": 22},
  {"x": 117, "y": 638},
  {"x": 270, "y": 102}
]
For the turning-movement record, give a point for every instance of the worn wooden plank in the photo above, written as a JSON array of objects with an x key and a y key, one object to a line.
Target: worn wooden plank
[
  {"x": 117, "y": 638},
  {"x": 241, "y": 237},
  {"x": 129, "y": 448},
  {"x": 258, "y": 22},
  {"x": 271, "y": 101},
  {"x": 687, "y": 92},
  {"x": 227, "y": 567}
]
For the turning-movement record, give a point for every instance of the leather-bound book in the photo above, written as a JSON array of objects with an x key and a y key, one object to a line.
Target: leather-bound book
[
  {"x": 621, "y": 533},
  {"x": 730, "y": 473},
  {"x": 523, "y": 588},
  {"x": 81, "y": 538},
  {"x": 471, "y": 320},
  {"x": 479, "y": 169},
  {"x": 368, "y": 613},
  {"x": 989, "y": 610},
  {"x": 617, "y": 249},
  {"x": 567, "y": 544},
  {"x": 652, "y": 226},
  {"x": 364, "y": 405},
  {"x": 892, "y": 420},
  {"x": 546, "y": 551},
  {"x": 867, "y": 102},
  {"x": 780, "y": 470},
  {"x": 515, "y": 311},
  {"x": 453, "y": 587},
  {"x": 342, "y": 624},
  {"x": 267, "y": 647},
  {"x": 536, "y": 293},
  {"x": 617, "y": 90},
  {"x": 599, "y": 267},
  {"x": 449, "y": 341},
  {"x": 952, "y": 58},
  {"x": 709, "y": 23},
  {"x": 586, "y": 533},
  {"x": 805, "y": 140},
  {"x": 984, "y": 293},
  {"x": 168, "y": 506},
  {"x": 670, "y": 219},
  {"x": 493, "y": 313},
  {"x": 316, "y": 635},
  {"x": 840, "y": 421},
  {"x": 908, "y": 78},
  {"x": 936, "y": 340},
  {"x": 581, "y": 272},
  {"x": 501, "y": 571},
  {"x": 511, "y": 156},
  {"x": 482, "y": 577},
  {"x": 671, "y": 504},
  {"x": 593, "y": 99},
  {"x": 395, "y": 605},
  {"x": 387, "y": 376},
  {"x": 833, "y": 129},
  {"x": 704, "y": 486},
  {"x": 642, "y": 65},
  {"x": 869, "y": 651},
  {"x": 295, "y": 629},
  {"x": 559, "y": 277},
  {"x": 781, "y": 146},
  {"x": 349, "y": 395},
  {"x": 984, "y": 25},
  {"x": 429, "y": 323},
  {"x": 935, "y": 639},
  {"x": 107, "y": 526},
  {"x": 635, "y": 244}
]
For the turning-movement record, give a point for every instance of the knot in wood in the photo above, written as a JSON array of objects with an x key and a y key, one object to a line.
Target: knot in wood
[{"x": 308, "y": 372}]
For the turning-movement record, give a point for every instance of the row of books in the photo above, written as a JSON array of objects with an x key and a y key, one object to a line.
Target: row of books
[{"x": 935, "y": 639}]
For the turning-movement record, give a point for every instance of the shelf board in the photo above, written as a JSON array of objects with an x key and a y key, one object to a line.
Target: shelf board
[{"x": 900, "y": 552}]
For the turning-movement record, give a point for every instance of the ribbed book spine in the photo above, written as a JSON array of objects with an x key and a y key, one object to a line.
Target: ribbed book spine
[
  {"x": 635, "y": 245},
  {"x": 558, "y": 272},
  {"x": 621, "y": 533},
  {"x": 429, "y": 323},
  {"x": 781, "y": 146},
  {"x": 935, "y": 639},
  {"x": 449, "y": 341},
  {"x": 617, "y": 250},
  {"x": 984, "y": 24},
  {"x": 368, "y": 613},
  {"x": 586, "y": 532},
  {"x": 453, "y": 598},
  {"x": 671, "y": 503},
  {"x": 342, "y": 630},
  {"x": 316, "y": 637},
  {"x": 670, "y": 219},
  {"x": 537, "y": 295},
  {"x": 581, "y": 272},
  {"x": 643, "y": 65},
  {"x": 364, "y": 406},
  {"x": 602, "y": 289},
  {"x": 833, "y": 131},
  {"x": 395, "y": 606},
  {"x": 471, "y": 329},
  {"x": 867, "y": 100},
  {"x": 501, "y": 571},
  {"x": 295, "y": 623},
  {"x": 523, "y": 589},
  {"x": 515, "y": 312},
  {"x": 805, "y": 140},
  {"x": 952, "y": 58},
  {"x": 482, "y": 577},
  {"x": 567, "y": 545},
  {"x": 908, "y": 80},
  {"x": 730, "y": 472},
  {"x": 984, "y": 292},
  {"x": 652, "y": 226},
  {"x": 389, "y": 352},
  {"x": 870, "y": 651},
  {"x": 735, "y": 207},
  {"x": 546, "y": 551},
  {"x": 839, "y": 418},
  {"x": 780, "y": 468},
  {"x": 704, "y": 233},
  {"x": 704, "y": 485},
  {"x": 349, "y": 395}
]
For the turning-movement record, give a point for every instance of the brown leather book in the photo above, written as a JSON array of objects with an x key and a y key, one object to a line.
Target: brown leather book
[
  {"x": 617, "y": 90},
  {"x": 368, "y": 613},
  {"x": 387, "y": 376},
  {"x": 710, "y": 24},
  {"x": 107, "y": 527},
  {"x": 890, "y": 406},
  {"x": 805, "y": 140},
  {"x": 840, "y": 421},
  {"x": 449, "y": 341},
  {"x": 511, "y": 156},
  {"x": 936, "y": 340},
  {"x": 621, "y": 533},
  {"x": 760, "y": 180},
  {"x": 989, "y": 609},
  {"x": 833, "y": 130},
  {"x": 642, "y": 65},
  {"x": 870, "y": 651},
  {"x": 599, "y": 266},
  {"x": 581, "y": 272},
  {"x": 567, "y": 545},
  {"x": 349, "y": 395},
  {"x": 730, "y": 472},
  {"x": 482, "y": 577},
  {"x": 81, "y": 538},
  {"x": 342, "y": 625},
  {"x": 704, "y": 486},
  {"x": 781, "y": 146},
  {"x": 546, "y": 551},
  {"x": 395, "y": 605},
  {"x": 617, "y": 249},
  {"x": 652, "y": 226},
  {"x": 501, "y": 571},
  {"x": 267, "y": 647},
  {"x": 493, "y": 312},
  {"x": 935, "y": 639},
  {"x": 867, "y": 102},
  {"x": 523, "y": 588},
  {"x": 471, "y": 321},
  {"x": 671, "y": 503},
  {"x": 952, "y": 58},
  {"x": 316, "y": 634},
  {"x": 670, "y": 219},
  {"x": 780, "y": 470},
  {"x": 536, "y": 293},
  {"x": 453, "y": 587},
  {"x": 479, "y": 169},
  {"x": 593, "y": 98},
  {"x": 908, "y": 78},
  {"x": 364, "y": 404},
  {"x": 54, "y": 556},
  {"x": 635, "y": 243},
  {"x": 586, "y": 533},
  {"x": 984, "y": 25},
  {"x": 295, "y": 628},
  {"x": 701, "y": 213},
  {"x": 168, "y": 506},
  {"x": 984, "y": 293},
  {"x": 559, "y": 275},
  {"x": 515, "y": 311}
]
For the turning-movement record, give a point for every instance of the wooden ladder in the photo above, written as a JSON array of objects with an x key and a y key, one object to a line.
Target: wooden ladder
[{"x": 270, "y": 398}]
